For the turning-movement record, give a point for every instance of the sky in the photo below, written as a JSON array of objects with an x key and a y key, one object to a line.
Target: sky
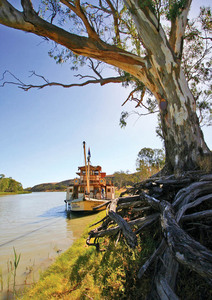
[{"x": 41, "y": 131}]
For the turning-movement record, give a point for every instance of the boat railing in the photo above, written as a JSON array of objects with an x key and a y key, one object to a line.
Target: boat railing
[{"x": 92, "y": 182}]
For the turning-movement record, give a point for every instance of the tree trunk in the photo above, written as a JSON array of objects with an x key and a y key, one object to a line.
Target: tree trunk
[{"x": 184, "y": 142}]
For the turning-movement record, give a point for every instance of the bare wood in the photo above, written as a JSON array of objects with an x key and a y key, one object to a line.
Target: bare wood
[
  {"x": 124, "y": 226},
  {"x": 164, "y": 290},
  {"x": 191, "y": 192},
  {"x": 130, "y": 204},
  {"x": 185, "y": 249},
  {"x": 144, "y": 221},
  {"x": 156, "y": 253},
  {"x": 153, "y": 202},
  {"x": 199, "y": 200},
  {"x": 129, "y": 199},
  {"x": 180, "y": 247},
  {"x": 198, "y": 215},
  {"x": 165, "y": 277},
  {"x": 207, "y": 177},
  {"x": 141, "y": 209},
  {"x": 113, "y": 205}
]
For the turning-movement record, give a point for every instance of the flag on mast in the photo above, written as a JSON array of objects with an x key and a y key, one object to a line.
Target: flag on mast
[{"x": 89, "y": 153}]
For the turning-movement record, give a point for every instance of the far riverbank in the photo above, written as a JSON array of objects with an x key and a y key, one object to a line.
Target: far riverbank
[{"x": 14, "y": 193}]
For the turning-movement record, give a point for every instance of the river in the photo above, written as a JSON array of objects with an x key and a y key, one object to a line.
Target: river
[{"x": 37, "y": 226}]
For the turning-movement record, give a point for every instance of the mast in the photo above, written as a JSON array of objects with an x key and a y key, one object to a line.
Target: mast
[
  {"x": 86, "y": 170},
  {"x": 89, "y": 170}
]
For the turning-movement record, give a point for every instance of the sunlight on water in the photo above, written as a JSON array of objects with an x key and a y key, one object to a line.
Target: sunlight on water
[{"x": 38, "y": 227}]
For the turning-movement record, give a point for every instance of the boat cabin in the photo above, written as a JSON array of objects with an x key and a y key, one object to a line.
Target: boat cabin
[{"x": 93, "y": 185}]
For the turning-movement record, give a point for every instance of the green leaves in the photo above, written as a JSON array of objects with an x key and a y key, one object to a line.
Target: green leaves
[
  {"x": 175, "y": 8},
  {"x": 149, "y": 158},
  {"x": 10, "y": 185},
  {"x": 197, "y": 63},
  {"x": 123, "y": 118}
]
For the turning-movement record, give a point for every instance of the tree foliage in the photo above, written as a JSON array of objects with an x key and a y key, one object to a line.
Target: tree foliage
[
  {"x": 196, "y": 59},
  {"x": 149, "y": 161},
  {"x": 130, "y": 36},
  {"x": 10, "y": 185}
]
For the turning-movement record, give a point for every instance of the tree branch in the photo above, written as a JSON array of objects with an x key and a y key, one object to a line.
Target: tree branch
[
  {"x": 198, "y": 215},
  {"x": 178, "y": 25},
  {"x": 27, "y": 87},
  {"x": 151, "y": 33},
  {"x": 156, "y": 253},
  {"x": 29, "y": 21},
  {"x": 124, "y": 226},
  {"x": 79, "y": 12}
]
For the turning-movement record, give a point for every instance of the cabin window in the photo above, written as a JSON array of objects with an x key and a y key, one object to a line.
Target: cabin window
[
  {"x": 96, "y": 173},
  {"x": 108, "y": 190},
  {"x": 71, "y": 190}
]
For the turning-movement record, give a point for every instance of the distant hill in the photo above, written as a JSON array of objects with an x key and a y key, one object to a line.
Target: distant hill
[
  {"x": 50, "y": 187},
  {"x": 119, "y": 179}
]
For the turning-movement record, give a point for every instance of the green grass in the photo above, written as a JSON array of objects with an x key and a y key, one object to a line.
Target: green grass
[{"x": 82, "y": 273}]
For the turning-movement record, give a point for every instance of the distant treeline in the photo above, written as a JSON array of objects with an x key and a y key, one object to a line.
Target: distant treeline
[
  {"x": 122, "y": 179},
  {"x": 148, "y": 162},
  {"x": 9, "y": 185}
]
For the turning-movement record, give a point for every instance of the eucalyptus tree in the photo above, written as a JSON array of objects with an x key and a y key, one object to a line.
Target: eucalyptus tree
[{"x": 128, "y": 35}]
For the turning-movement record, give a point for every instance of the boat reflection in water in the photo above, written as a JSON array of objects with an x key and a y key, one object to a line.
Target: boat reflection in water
[{"x": 90, "y": 192}]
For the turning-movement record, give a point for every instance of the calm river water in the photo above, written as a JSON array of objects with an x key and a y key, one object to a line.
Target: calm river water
[{"x": 38, "y": 227}]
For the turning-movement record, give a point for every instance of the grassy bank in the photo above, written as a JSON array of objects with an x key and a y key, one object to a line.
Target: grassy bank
[{"x": 82, "y": 273}]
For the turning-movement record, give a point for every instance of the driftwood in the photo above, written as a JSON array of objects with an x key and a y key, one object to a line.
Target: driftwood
[{"x": 180, "y": 206}]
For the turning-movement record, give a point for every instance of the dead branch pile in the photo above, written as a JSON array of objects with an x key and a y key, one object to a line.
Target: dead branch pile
[{"x": 183, "y": 208}]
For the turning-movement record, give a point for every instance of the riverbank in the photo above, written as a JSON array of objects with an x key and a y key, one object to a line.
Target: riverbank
[
  {"x": 67, "y": 275},
  {"x": 83, "y": 273},
  {"x": 39, "y": 228},
  {"x": 14, "y": 193}
]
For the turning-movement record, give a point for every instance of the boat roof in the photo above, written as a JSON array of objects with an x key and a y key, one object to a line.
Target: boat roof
[{"x": 94, "y": 168}]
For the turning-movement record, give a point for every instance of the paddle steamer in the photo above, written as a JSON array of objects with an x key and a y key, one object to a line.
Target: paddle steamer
[{"x": 90, "y": 191}]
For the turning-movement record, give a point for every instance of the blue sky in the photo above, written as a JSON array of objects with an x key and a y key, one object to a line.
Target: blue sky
[{"x": 42, "y": 130}]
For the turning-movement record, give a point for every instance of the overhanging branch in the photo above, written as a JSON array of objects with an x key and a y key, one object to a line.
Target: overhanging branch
[
  {"x": 178, "y": 25},
  {"x": 47, "y": 83}
]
